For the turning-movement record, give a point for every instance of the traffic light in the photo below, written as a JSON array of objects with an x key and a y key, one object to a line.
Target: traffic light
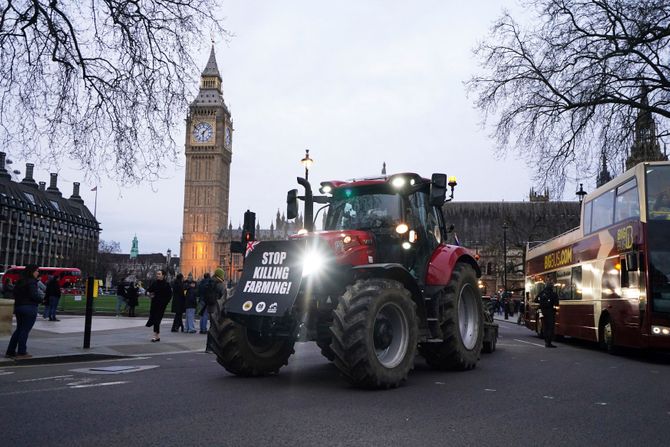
[{"x": 249, "y": 228}]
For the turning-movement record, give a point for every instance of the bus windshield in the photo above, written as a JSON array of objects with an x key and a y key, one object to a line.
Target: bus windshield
[
  {"x": 363, "y": 212},
  {"x": 658, "y": 192}
]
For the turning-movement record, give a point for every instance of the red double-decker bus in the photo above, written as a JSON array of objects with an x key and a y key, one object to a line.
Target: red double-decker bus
[
  {"x": 69, "y": 278},
  {"x": 612, "y": 273}
]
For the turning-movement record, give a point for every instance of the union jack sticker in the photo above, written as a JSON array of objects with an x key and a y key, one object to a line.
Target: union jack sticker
[{"x": 250, "y": 247}]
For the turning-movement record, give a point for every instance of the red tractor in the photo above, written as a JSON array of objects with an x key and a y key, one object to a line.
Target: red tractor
[{"x": 377, "y": 285}]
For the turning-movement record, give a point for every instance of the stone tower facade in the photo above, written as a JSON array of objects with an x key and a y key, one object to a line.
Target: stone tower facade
[
  {"x": 209, "y": 131},
  {"x": 646, "y": 146}
]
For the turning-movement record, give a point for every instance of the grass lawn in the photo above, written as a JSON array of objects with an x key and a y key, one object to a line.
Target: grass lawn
[{"x": 101, "y": 304}]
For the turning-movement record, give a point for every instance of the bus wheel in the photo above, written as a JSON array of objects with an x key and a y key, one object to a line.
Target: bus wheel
[{"x": 608, "y": 337}]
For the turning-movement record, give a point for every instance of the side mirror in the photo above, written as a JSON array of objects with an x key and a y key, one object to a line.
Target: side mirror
[
  {"x": 292, "y": 204},
  {"x": 438, "y": 189}
]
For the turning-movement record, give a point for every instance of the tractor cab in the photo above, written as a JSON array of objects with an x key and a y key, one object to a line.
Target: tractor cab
[{"x": 400, "y": 216}]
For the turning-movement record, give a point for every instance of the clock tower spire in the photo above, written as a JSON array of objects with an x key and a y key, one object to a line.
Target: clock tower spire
[{"x": 208, "y": 149}]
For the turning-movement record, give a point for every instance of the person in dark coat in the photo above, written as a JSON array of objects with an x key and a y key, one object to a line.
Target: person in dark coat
[
  {"x": 190, "y": 303},
  {"x": 7, "y": 288},
  {"x": 548, "y": 299},
  {"x": 178, "y": 303},
  {"x": 161, "y": 293},
  {"x": 52, "y": 295},
  {"x": 131, "y": 297},
  {"x": 26, "y": 300}
]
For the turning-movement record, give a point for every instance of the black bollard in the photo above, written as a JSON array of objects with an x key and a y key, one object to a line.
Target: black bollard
[{"x": 89, "y": 312}]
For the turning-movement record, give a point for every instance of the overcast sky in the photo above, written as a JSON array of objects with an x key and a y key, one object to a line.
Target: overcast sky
[{"x": 357, "y": 83}]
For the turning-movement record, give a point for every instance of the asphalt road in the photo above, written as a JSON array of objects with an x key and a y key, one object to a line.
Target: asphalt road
[{"x": 523, "y": 394}]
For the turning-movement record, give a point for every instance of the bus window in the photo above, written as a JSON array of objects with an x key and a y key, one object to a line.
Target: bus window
[
  {"x": 576, "y": 283},
  {"x": 627, "y": 204},
  {"x": 587, "y": 217},
  {"x": 562, "y": 285},
  {"x": 611, "y": 281},
  {"x": 658, "y": 192},
  {"x": 603, "y": 208}
]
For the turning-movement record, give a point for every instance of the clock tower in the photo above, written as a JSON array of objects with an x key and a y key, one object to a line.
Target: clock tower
[{"x": 208, "y": 148}]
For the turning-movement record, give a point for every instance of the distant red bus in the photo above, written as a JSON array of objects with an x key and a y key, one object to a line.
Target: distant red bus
[{"x": 69, "y": 278}]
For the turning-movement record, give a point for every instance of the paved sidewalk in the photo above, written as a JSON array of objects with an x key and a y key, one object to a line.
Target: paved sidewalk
[{"x": 56, "y": 341}]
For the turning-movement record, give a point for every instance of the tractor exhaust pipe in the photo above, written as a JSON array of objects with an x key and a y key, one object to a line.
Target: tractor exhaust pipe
[{"x": 309, "y": 204}]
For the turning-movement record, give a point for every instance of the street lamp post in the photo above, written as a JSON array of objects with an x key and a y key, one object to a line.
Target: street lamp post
[
  {"x": 307, "y": 163},
  {"x": 504, "y": 227}
]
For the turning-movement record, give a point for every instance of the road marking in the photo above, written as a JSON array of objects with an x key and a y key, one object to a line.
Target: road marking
[
  {"x": 44, "y": 378},
  {"x": 439, "y": 383},
  {"x": 6, "y": 373},
  {"x": 91, "y": 385},
  {"x": 529, "y": 343},
  {"x": 548, "y": 397},
  {"x": 489, "y": 389},
  {"x": 601, "y": 403}
]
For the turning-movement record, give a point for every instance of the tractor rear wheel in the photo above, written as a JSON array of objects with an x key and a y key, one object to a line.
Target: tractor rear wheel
[
  {"x": 375, "y": 332},
  {"x": 462, "y": 324},
  {"x": 244, "y": 352}
]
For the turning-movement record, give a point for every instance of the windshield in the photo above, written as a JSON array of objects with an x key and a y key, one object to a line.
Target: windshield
[
  {"x": 363, "y": 212},
  {"x": 658, "y": 192}
]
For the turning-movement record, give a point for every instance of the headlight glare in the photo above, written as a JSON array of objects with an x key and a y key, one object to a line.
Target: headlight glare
[{"x": 312, "y": 263}]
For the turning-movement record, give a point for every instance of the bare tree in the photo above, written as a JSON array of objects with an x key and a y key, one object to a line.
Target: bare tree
[
  {"x": 108, "y": 247},
  {"x": 571, "y": 86},
  {"x": 102, "y": 82}
]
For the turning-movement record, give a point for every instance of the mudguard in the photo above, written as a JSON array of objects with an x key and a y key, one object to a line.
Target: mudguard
[{"x": 270, "y": 279}]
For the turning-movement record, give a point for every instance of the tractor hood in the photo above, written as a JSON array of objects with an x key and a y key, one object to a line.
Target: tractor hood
[{"x": 349, "y": 247}]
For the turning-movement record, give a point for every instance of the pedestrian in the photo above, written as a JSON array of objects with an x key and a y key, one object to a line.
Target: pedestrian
[
  {"x": 7, "y": 288},
  {"x": 53, "y": 297},
  {"x": 203, "y": 286},
  {"x": 190, "y": 303},
  {"x": 178, "y": 303},
  {"x": 26, "y": 300},
  {"x": 121, "y": 298},
  {"x": 160, "y": 293},
  {"x": 505, "y": 303},
  {"x": 219, "y": 281},
  {"x": 131, "y": 297},
  {"x": 547, "y": 300}
]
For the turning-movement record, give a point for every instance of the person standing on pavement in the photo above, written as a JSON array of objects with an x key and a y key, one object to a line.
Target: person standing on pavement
[
  {"x": 7, "y": 288},
  {"x": 178, "y": 303},
  {"x": 190, "y": 303},
  {"x": 26, "y": 300},
  {"x": 131, "y": 297},
  {"x": 548, "y": 299},
  {"x": 160, "y": 293},
  {"x": 53, "y": 297},
  {"x": 121, "y": 298},
  {"x": 203, "y": 286}
]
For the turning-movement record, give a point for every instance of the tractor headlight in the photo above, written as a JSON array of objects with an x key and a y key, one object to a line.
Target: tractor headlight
[{"x": 312, "y": 263}]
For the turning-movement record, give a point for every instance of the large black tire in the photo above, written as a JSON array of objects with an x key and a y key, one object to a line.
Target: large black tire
[
  {"x": 375, "y": 332},
  {"x": 326, "y": 350},
  {"x": 243, "y": 352},
  {"x": 462, "y": 324}
]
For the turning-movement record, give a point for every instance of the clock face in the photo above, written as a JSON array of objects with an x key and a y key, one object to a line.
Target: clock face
[
  {"x": 202, "y": 132},
  {"x": 228, "y": 137}
]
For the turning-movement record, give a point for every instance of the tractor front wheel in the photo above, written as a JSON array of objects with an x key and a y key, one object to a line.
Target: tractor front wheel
[
  {"x": 244, "y": 352},
  {"x": 375, "y": 333}
]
